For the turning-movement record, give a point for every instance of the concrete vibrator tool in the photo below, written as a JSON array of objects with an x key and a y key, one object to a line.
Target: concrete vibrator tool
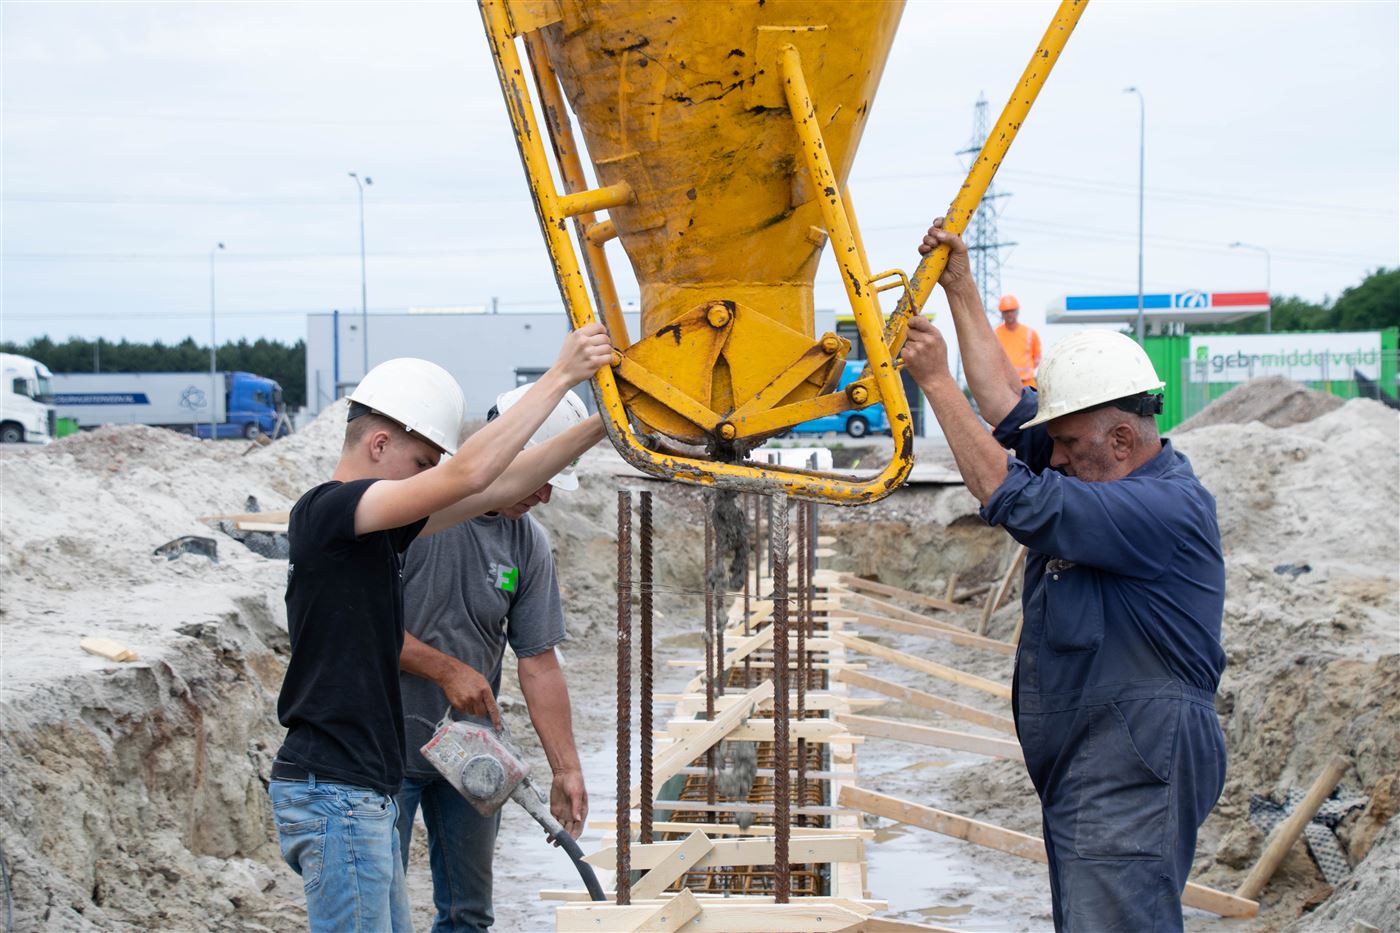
[{"x": 488, "y": 768}]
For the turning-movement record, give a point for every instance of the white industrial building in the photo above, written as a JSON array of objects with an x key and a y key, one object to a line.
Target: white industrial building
[{"x": 487, "y": 353}]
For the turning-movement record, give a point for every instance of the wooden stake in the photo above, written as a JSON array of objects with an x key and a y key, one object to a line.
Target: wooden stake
[
  {"x": 927, "y": 667},
  {"x": 1290, "y": 829},
  {"x": 998, "y": 596},
  {"x": 1018, "y": 844}
]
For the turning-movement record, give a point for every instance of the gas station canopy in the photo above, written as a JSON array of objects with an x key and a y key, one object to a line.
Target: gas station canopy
[{"x": 1165, "y": 308}]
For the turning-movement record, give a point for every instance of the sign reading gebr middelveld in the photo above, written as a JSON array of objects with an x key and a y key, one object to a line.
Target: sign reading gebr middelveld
[{"x": 1300, "y": 357}]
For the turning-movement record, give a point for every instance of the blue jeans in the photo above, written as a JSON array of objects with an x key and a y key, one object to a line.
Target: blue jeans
[
  {"x": 461, "y": 844},
  {"x": 340, "y": 838}
]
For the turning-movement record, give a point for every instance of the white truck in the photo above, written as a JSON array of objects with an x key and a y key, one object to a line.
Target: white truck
[
  {"x": 238, "y": 404},
  {"x": 26, "y": 401}
]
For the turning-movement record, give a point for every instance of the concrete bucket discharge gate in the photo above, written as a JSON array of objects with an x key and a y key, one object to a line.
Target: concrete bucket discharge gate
[{"x": 721, "y": 135}]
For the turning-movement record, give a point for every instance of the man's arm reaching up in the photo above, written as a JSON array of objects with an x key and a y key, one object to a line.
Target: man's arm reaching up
[
  {"x": 487, "y": 453},
  {"x": 990, "y": 375}
]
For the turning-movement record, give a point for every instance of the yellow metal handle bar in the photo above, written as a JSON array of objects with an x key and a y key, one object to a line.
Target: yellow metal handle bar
[
  {"x": 979, "y": 178},
  {"x": 841, "y": 490},
  {"x": 592, "y": 234}
]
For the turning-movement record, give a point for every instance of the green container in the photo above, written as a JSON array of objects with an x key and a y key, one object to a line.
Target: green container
[{"x": 65, "y": 426}]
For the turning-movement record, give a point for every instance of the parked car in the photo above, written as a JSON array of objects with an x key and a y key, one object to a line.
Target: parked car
[{"x": 870, "y": 420}]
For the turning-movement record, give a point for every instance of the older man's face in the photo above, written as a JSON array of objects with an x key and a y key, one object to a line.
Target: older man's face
[
  {"x": 540, "y": 495},
  {"x": 1010, "y": 317},
  {"x": 1084, "y": 448}
]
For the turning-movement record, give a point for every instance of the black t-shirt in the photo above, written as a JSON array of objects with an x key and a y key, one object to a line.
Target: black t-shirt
[{"x": 340, "y": 698}]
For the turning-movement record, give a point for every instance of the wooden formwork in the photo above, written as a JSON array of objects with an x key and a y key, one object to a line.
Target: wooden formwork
[{"x": 707, "y": 872}]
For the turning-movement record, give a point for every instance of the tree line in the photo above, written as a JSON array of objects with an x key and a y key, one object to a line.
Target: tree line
[{"x": 278, "y": 361}]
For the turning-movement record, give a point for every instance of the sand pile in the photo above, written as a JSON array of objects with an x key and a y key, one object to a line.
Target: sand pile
[
  {"x": 1273, "y": 400},
  {"x": 1309, "y": 518}
]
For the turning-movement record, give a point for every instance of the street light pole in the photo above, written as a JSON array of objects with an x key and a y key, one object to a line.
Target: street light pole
[
  {"x": 364, "y": 300},
  {"x": 1142, "y": 165},
  {"x": 213, "y": 371},
  {"x": 1268, "y": 282}
]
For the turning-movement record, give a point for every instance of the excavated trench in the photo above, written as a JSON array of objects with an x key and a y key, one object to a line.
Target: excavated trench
[{"x": 136, "y": 796}]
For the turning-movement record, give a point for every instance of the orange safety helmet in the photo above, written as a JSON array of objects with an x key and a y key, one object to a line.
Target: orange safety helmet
[{"x": 1009, "y": 303}]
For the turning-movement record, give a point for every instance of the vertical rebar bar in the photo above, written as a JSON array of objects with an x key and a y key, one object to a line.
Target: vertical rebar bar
[
  {"x": 721, "y": 619},
  {"x": 710, "y": 665},
  {"x": 624, "y": 696},
  {"x": 803, "y": 612},
  {"x": 782, "y": 790},
  {"x": 757, "y": 592},
  {"x": 647, "y": 738}
]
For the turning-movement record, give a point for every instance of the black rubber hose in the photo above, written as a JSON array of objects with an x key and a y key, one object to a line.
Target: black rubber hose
[{"x": 585, "y": 870}]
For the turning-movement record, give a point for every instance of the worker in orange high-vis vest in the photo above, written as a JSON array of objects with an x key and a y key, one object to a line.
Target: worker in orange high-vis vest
[{"x": 1022, "y": 345}]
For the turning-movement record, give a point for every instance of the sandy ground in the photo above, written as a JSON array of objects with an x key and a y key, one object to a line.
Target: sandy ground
[{"x": 136, "y": 792}]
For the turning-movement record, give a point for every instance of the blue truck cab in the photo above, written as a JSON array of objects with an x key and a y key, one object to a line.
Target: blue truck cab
[
  {"x": 870, "y": 420},
  {"x": 253, "y": 405}
]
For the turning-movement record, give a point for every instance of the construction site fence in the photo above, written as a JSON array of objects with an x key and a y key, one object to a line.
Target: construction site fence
[{"x": 1343, "y": 381}]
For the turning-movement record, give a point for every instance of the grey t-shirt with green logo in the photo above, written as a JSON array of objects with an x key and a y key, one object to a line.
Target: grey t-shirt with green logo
[{"x": 468, "y": 592}]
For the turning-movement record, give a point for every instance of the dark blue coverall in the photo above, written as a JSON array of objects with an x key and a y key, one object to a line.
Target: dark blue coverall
[{"x": 1116, "y": 673}]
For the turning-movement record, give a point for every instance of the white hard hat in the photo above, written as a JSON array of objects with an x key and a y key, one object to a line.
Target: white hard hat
[
  {"x": 569, "y": 412},
  {"x": 421, "y": 396},
  {"x": 1088, "y": 369}
]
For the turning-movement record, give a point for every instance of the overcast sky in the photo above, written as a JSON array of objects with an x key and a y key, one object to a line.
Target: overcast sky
[{"x": 139, "y": 135}]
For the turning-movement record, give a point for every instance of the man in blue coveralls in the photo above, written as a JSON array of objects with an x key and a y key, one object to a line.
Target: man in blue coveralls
[{"x": 1120, "y": 657}]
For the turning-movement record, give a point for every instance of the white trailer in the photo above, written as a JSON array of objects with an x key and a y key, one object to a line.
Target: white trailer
[
  {"x": 26, "y": 412},
  {"x": 176, "y": 400}
]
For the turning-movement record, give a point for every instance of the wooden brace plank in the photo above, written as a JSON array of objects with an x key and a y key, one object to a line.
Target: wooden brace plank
[
  {"x": 956, "y": 636},
  {"x": 759, "y": 851},
  {"x": 927, "y": 701},
  {"x": 106, "y": 648},
  {"x": 1014, "y": 843},
  {"x": 928, "y": 735},
  {"x": 760, "y": 730},
  {"x": 672, "y": 915},
  {"x": 677, "y": 756},
  {"x": 853, "y": 582},
  {"x": 950, "y": 674},
  {"x": 733, "y": 829},
  {"x": 797, "y": 917},
  {"x": 679, "y": 860}
]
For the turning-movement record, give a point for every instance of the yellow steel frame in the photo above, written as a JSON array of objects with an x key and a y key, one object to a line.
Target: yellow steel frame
[{"x": 882, "y": 339}]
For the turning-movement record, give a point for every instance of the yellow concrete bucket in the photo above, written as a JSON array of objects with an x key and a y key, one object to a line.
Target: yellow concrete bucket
[{"x": 721, "y": 133}]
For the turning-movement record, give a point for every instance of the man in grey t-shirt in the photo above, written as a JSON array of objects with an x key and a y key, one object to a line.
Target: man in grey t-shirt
[{"x": 468, "y": 593}]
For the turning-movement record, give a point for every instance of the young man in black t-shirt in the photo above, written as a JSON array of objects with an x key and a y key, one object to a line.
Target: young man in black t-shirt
[{"x": 343, "y": 759}]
